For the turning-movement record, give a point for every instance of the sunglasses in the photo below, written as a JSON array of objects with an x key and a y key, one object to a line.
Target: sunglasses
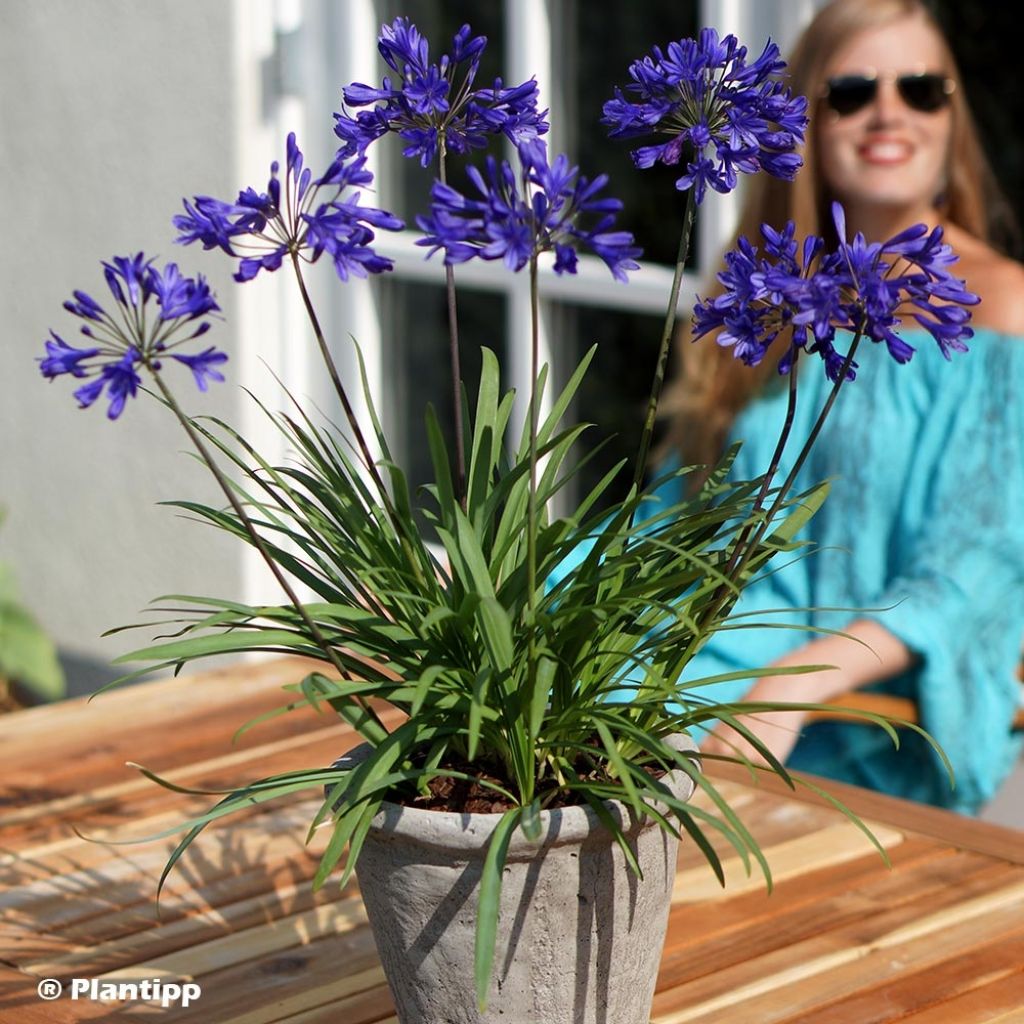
[{"x": 925, "y": 93}]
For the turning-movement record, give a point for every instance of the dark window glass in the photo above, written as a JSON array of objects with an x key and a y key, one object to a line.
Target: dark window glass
[
  {"x": 614, "y": 392},
  {"x": 417, "y": 363}
]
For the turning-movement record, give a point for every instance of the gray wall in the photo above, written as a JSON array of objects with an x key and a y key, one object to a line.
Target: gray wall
[{"x": 113, "y": 110}]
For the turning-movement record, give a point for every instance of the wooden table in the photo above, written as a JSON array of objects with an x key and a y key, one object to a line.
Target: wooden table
[{"x": 938, "y": 939}]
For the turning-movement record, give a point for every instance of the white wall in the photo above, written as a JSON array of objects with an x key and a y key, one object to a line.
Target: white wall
[{"x": 113, "y": 110}]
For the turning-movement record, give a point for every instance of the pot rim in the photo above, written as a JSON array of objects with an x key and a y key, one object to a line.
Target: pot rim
[{"x": 452, "y": 830}]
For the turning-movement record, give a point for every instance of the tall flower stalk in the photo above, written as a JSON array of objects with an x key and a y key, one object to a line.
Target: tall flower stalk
[
  {"x": 722, "y": 116},
  {"x": 436, "y": 110},
  {"x": 139, "y": 337},
  {"x": 517, "y": 214},
  {"x": 809, "y": 296}
]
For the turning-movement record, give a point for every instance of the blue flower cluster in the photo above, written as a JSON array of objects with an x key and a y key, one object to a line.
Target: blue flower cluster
[
  {"x": 706, "y": 98},
  {"x": 131, "y": 339},
  {"x": 859, "y": 287},
  {"x": 517, "y": 216},
  {"x": 433, "y": 105},
  {"x": 261, "y": 228}
]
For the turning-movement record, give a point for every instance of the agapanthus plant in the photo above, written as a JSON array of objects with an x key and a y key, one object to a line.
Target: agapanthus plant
[
  {"x": 434, "y": 107},
  {"x": 507, "y": 670},
  {"x": 708, "y": 100},
  {"x": 304, "y": 221},
  {"x": 522, "y": 212},
  {"x": 139, "y": 335}
]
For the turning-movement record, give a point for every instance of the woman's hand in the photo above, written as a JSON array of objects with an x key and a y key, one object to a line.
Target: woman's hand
[
  {"x": 777, "y": 730},
  {"x": 866, "y": 654}
]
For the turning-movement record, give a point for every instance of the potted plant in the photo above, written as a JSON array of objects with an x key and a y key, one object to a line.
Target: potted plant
[{"x": 537, "y": 658}]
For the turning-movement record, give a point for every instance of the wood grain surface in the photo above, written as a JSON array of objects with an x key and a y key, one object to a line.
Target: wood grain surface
[{"x": 935, "y": 938}]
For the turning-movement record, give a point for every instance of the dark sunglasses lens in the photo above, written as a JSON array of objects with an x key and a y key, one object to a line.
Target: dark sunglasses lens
[
  {"x": 926, "y": 93},
  {"x": 846, "y": 95}
]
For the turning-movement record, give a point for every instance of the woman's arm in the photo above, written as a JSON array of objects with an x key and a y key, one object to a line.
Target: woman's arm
[{"x": 878, "y": 655}]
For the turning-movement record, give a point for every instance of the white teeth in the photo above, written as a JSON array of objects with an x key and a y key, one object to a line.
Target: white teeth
[{"x": 886, "y": 151}]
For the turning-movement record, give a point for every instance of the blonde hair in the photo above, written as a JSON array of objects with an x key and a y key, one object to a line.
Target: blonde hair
[{"x": 712, "y": 386}]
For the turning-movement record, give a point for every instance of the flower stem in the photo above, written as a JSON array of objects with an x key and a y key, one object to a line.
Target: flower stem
[
  {"x": 366, "y": 723},
  {"x": 739, "y": 553},
  {"x": 456, "y": 368},
  {"x": 747, "y": 544},
  {"x": 401, "y": 529},
  {"x": 666, "y": 343},
  {"x": 529, "y": 778},
  {"x": 531, "y": 507},
  {"x": 339, "y": 387},
  {"x": 815, "y": 431}
]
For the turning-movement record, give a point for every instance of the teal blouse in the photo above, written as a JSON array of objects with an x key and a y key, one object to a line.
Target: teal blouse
[{"x": 923, "y": 531}]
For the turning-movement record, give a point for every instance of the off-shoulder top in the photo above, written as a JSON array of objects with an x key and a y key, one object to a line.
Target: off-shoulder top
[{"x": 923, "y": 531}]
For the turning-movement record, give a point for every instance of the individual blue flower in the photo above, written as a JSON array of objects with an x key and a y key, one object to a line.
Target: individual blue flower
[
  {"x": 181, "y": 296},
  {"x": 64, "y": 358},
  {"x": 722, "y": 116},
  {"x": 434, "y": 107},
  {"x": 156, "y": 312},
  {"x": 858, "y": 287},
  {"x": 203, "y": 366},
  {"x": 545, "y": 208},
  {"x": 118, "y": 378},
  {"x": 304, "y": 219}
]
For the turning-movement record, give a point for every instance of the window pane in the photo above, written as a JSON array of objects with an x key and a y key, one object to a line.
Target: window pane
[
  {"x": 614, "y": 392},
  {"x": 418, "y": 364}
]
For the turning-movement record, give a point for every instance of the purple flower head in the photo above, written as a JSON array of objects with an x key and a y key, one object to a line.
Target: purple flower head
[
  {"x": 134, "y": 335},
  {"x": 859, "y": 287},
  {"x": 722, "y": 115},
  {"x": 298, "y": 217},
  {"x": 434, "y": 105},
  {"x": 546, "y": 207}
]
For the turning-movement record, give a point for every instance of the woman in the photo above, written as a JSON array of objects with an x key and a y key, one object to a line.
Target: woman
[{"x": 921, "y": 537}]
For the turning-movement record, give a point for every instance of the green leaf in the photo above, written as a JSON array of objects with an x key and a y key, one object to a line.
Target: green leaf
[
  {"x": 490, "y": 902},
  {"x": 228, "y": 643},
  {"x": 543, "y": 684},
  {"x": 496, "y": 632},
  {"x": 27, "y": 654}
]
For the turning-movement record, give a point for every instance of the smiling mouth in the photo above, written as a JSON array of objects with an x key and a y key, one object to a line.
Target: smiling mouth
[{"x": 885, "y": 152}]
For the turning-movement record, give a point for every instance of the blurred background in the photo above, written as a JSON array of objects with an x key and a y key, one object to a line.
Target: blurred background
[{"x": 115, "y": 110}]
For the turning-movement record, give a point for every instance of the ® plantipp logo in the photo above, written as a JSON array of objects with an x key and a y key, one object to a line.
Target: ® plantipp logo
[{"x": 148, "y": 990}]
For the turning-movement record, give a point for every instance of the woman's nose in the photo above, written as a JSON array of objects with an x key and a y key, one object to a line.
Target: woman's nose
[{"x": 887, "y": 104}]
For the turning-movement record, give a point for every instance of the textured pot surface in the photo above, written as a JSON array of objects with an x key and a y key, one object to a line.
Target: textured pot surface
[{"x": 579, "y": 935}]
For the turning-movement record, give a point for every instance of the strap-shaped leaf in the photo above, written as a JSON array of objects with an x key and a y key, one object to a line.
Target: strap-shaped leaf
[{"x": 490, "y": 902}]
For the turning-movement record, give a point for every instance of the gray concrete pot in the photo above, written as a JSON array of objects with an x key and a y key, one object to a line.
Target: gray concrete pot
[{"x": 579, "y": 935}]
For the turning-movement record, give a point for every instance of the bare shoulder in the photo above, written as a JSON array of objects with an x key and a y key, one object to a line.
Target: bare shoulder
[{"x": 998, "y": 280}]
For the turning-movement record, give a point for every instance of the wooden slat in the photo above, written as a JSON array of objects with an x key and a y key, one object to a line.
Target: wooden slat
[
  {"x": 997, "y": 1001},
  {"x": 803, "y": 977},
  {"x": 953, "y": 829},
  {"x": 976, "y": 976}
]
